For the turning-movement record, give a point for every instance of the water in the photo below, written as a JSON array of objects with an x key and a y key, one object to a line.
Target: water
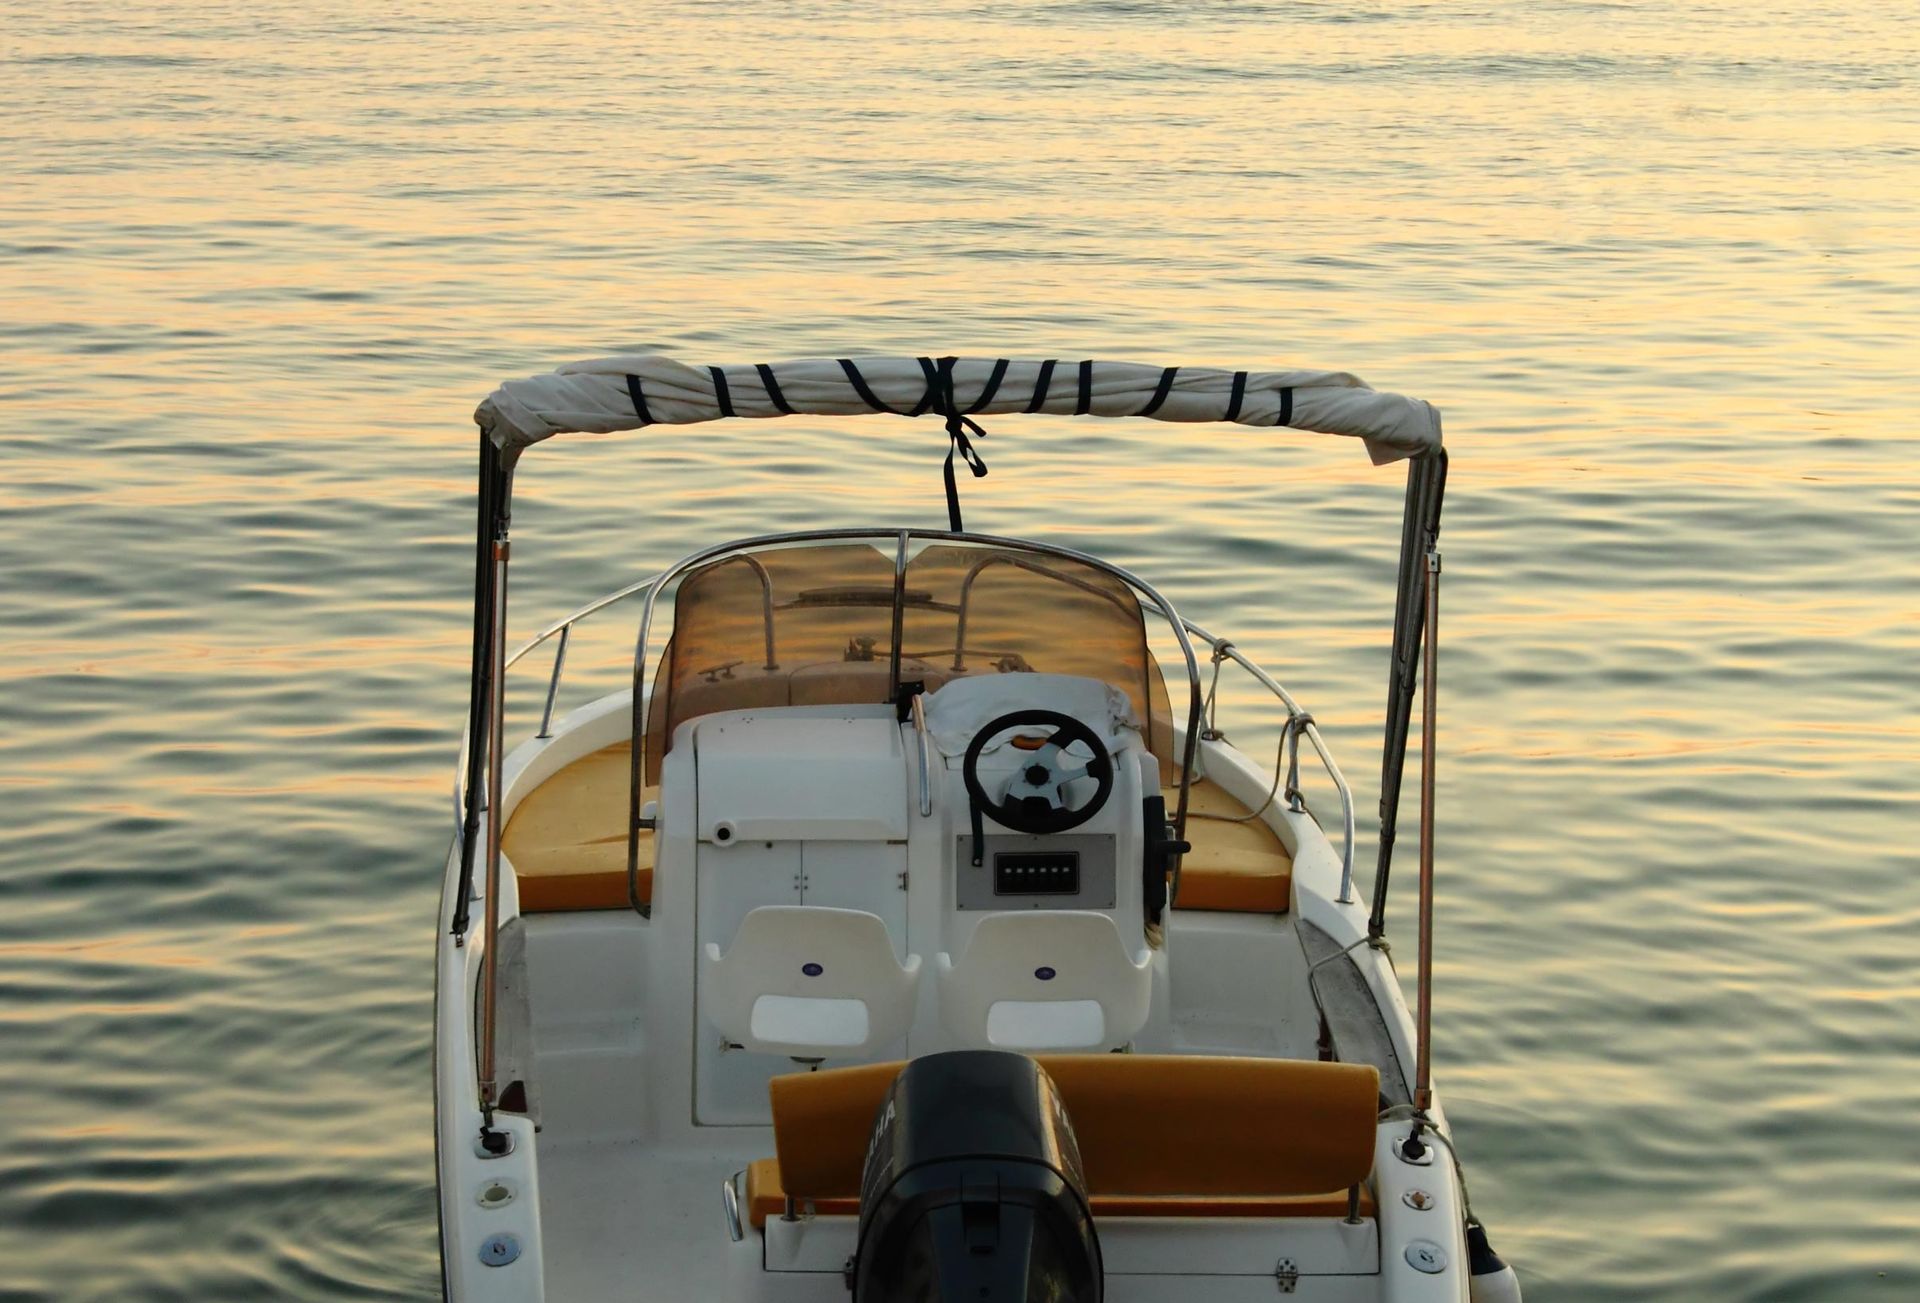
[{"x": 1657, "y": 263}]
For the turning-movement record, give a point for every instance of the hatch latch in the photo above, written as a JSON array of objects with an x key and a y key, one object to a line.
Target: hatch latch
[{"x": 1287, "y": 1273}]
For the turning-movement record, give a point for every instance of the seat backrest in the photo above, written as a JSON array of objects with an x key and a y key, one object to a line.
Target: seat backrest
[
  {"x": 1148, "y": 1125},
  {"x": 1046, "y": 980},
  {"x": 809, "y": 982}
]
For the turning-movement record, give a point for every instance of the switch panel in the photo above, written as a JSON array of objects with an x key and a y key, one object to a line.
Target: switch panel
[
  {"x": 1036, "y": 873},
  {"x": 1061, "y": 871}
]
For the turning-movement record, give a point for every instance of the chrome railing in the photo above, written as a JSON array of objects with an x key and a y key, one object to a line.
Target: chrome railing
[
  {"x": 562, "y": 629},
  {"x": 901, "y": 538},
  {"x": 1299, "y": 724}
]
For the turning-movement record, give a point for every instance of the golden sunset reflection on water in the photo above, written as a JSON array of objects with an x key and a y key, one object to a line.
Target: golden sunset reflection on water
[{"x": 1656, "y": 264}]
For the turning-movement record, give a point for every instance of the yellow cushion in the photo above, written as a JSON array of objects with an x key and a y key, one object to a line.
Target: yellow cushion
[
  {"x": 1172, "y": 1135},
  {"x": 1238, "y": 867},
  {"x": 567, "y": 838}
]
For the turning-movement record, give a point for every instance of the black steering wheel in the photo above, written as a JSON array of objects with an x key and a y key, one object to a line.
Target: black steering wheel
[{"x": 1035, "y": 800}]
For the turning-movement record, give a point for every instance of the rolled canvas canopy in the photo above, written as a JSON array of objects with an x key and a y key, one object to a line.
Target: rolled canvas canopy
[{"x": 626, "y": 393}]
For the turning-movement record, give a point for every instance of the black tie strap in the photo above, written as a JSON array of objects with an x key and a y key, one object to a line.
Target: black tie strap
[
  {"x": 721, "y": 394},
  {"x": 928, "y": 370},
  {"x": 859, "y": 383},
  {"x": 774, "y": 396},
  {"x": 1239, "y": 395},
  {"x": 1160, "y": 392},
  {"x": 639, "y": 400},
  {"x": 1040, "y": 383},
  {"x": 941, "y": 399},
  {"x": 992, "y": 387}
]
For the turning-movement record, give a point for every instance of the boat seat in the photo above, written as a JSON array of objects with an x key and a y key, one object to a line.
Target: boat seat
[
  {"x": 1241, "y": 868},
  {"x": 1045, "y": 980},
  {"x": 1159, "y": 1135},
  {"x": 809, "y": 982},
  {"x": 567, "y": 838}
]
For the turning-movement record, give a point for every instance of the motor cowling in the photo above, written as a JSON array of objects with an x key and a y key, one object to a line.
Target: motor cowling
[{"x": 972, "y": 1189}]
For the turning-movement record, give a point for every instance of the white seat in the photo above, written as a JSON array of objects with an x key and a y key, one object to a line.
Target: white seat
[
  {"x": 1045, "y": 980},
  {"x": 809, "y": 982}
]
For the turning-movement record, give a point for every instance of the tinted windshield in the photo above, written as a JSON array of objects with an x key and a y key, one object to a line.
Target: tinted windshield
[{"x": 813, "y": 624}]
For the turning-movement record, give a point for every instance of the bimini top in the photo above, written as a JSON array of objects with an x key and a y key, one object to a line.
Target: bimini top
[{"x": 625, "y": 393}]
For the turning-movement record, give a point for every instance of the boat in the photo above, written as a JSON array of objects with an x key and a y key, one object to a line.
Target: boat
[{"x": 910, "y": 926}]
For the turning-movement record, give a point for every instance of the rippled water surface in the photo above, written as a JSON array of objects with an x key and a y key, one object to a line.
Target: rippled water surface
[{"x": 1658, "y": 263}]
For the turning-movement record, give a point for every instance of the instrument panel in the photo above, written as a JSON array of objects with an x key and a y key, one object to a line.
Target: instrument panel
[{"x": 1017, "y": 871}]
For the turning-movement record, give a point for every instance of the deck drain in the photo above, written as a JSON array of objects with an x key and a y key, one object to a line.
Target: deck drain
[
  {"x": 497, "y": 1194},
  {"x": 499, "y": 1250}
]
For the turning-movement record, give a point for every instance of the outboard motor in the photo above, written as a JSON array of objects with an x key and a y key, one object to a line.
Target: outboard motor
[{"x": 972, "y": 1189}]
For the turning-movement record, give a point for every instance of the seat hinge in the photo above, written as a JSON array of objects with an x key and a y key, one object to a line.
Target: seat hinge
[{"x": 1287, "y": 1274}]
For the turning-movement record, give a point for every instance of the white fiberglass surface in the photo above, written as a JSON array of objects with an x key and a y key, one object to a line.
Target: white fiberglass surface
[
  {"x": 804, "y": 1021},
  {"x": 1045, "y": 1024}
]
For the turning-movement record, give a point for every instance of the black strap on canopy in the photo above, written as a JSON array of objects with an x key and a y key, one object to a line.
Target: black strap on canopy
[
  {"x": 1238, "y": 397},
  {"x": 861, "y": 387},
  {"x": 1160, "y": 392},
  {"x": 1040, "y": 383},
  {"x": 992, "y": 387},
  {"x": 940, "y": 398},
  {"x": 722, "y": 395},
  {"x": 639, "y": 397},
  {"x": 774, "y": 396}
]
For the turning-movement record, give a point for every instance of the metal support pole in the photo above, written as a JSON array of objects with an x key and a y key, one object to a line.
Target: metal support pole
[
  {"x": 473, "y": 756},
  {"x": 496, "y": 807},
  {"x": 553, "y": 684},
  {"x": 1420, "y": 532},
  {"x": 1429, "y": 702}
]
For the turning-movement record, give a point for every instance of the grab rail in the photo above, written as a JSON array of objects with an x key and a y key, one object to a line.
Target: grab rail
[
  {"x": 564, "y": 628},
  {"x": 1299, "y": 722},
  {"x": 903, "y": 537}
]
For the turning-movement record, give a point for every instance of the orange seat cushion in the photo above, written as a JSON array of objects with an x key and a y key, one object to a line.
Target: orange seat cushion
[
  {"x": 1167, "y": 1135},
  {"x": 553, "y": 893},
  {"x": 567, "y": 838},
  {"x": 1236, "y": 866}
]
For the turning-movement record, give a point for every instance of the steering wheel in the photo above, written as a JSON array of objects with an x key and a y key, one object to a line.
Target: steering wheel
[{"x": 1035, "y": 799}]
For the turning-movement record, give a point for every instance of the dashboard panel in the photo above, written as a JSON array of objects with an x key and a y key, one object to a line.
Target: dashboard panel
[{"x": 1018, "y": 871}]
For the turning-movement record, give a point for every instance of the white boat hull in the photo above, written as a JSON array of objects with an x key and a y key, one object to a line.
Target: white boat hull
[{"x": 613, "y": 1191}]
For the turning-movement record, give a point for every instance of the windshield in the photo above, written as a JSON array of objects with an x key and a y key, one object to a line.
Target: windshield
[{"x": 813, "y": 625}]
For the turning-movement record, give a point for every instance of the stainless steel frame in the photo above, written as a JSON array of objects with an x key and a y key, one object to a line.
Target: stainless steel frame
[
  {"x": 1429, "y": 720},
  {"x": 900, "y": 538},
  {"x": 1299, "y": 723}
]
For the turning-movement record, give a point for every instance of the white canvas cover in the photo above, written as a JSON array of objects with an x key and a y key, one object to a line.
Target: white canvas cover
[{"x": 625, "y": 393}]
